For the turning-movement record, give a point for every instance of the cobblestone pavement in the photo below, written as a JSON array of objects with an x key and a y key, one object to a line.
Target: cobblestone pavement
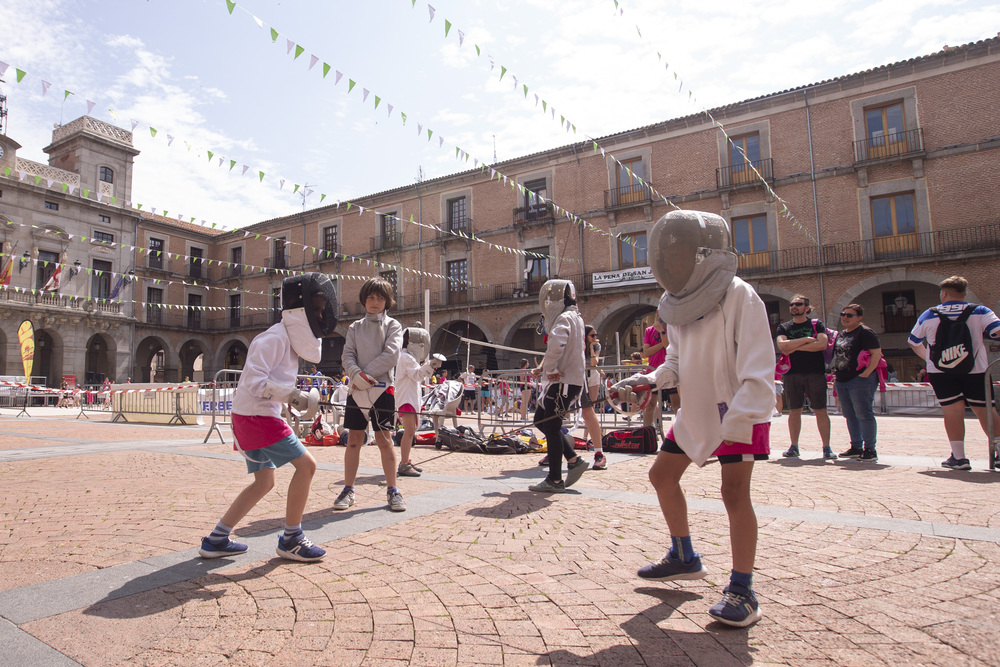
[{"x": 886, "y": 564}]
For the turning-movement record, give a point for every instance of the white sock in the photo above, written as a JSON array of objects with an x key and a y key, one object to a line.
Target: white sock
[{"x": 958, "y": 448}]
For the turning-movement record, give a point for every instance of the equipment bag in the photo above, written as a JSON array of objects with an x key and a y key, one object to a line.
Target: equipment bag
[
  {"x": 952, "y": 352},
  {"x": 462, "y": 439},
  {"x": 640, "y": 440}
]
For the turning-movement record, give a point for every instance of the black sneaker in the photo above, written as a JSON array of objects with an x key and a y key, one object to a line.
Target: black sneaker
[
  {"x": 792, "y": 453},
  {"x": 738, "y": 607},
  {"x": 828, "y": 454},
  {"x": 868, "y": 456},
  {"x": 852, "y": 453},
  {"x": 956, "y": 464}
]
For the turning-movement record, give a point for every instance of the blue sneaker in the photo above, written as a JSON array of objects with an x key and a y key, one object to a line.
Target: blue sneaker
[
  {"x": 299, "y": 548},
  {"x": 670, "y": 568},
  {"x": 227, "y": 548},
  {"x": 738, "y": 608}
]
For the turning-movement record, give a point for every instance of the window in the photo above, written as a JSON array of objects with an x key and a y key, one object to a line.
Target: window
[
  {"x": 458, "y": 276},
  {"x": 536, "y": 269},
  {"x": 389, "y": 231},
  {"x": 749, "y": 146},
  {"x": 632, "y": 250},
  {"x": 100, "y": 279},
  {"x": 106, "y": 175},
  {"x": 278, "y": 259},
  {"x": 885, "y": 129},
  {"x": 390, "y": 276},
  {"x": 52, "y": 206},
  {"x": 194, "y": 311},
  {"x": 106, "y": 219},
  {"x": 630, "y": 190},
  {"x": 456, "y": 215},
  {"x": 275, "y": 305},
  {"x": 155, "y": 253},
  {"x": 45, "y": 267},
  {"x": 195, "y": 258},
  {"x": 894, "y": 225},
  {"x": 234, "y": 310},
  {"x": 236, "y": 261},
  {"x": 104, "y": 237},
  {"x": 330, "y": 238},
  {"x": 750, "y": 239},
  {"x": 154, "y": 307}
]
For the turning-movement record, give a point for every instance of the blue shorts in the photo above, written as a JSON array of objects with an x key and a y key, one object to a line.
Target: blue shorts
[{"x": 284, "y": 451}]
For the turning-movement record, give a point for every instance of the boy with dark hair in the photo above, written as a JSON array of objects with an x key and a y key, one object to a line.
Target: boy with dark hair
[
  {"x": 371, "y": 352},
  {"x": 308, "y": 313}
]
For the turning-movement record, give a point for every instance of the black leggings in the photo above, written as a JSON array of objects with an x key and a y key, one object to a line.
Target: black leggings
[{"x": 549, "y": 420}]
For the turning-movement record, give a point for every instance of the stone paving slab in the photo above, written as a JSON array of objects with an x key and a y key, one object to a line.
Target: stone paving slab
[{"x": 887, "y": 564}]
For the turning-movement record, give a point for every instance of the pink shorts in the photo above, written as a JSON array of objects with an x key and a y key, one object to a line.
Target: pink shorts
[
  {"x": 758, "y": 449},
  {"x": 406, "y": 407},
  {"x": 258, "y": 432}
]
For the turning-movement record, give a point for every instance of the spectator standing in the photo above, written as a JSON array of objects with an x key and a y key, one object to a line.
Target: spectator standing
[
  {"x": 470, "y": 384},
  {"x": 804, "y": 340},
  {"x": 856, "y": 386},
  {"x": 956, "y": 390}
]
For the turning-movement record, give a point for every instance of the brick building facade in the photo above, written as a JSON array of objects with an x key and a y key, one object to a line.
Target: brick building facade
[{"x": 887, "y": 177}]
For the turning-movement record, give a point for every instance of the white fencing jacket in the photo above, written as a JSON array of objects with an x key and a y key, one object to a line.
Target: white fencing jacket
[
  {"x": 724, "y": 363},
  {"x": 270, "y": 358}
]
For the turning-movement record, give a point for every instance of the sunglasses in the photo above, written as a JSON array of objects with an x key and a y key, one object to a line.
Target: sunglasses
[
  {"x": 848, "y": 315},
  {"x": 796, "y": 303}
]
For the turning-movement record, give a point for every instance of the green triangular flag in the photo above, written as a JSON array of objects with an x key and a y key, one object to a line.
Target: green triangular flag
[
  {"x": 326, "y": 69},
  {"x": 296, "y": 188},
  {"x": 232, "y": 163},
  {"x": 503, "y": 70},
  {"x": 525, "y": 91},
  {"x": 429, "y": 133},
  {"x": 274, "y": 35},
  {"x": 210, "y": 154},
  {"x": 544, "y": 105},
  {"x": 478, "y": 52},
  {"x": 152, "y": 131},
  {"x": 66, "y": 94},
  {"x": 86, "y": 194},
  {"x": 261, "y": 174},
  {"x": 447, "y": 27},
  {"x": 20, "y": 74},
  {"x": 350, "y": 84},
  {"x": 377, "y": 100},
  {"x": 298, "y": 51},
  {"x": 65, "y": 187},
  {"x": 38, "y": 179},
  {"x": 403, "y": 116},
  {"x": 231, "y": 6},
  {"x": 321, "y": 198}
]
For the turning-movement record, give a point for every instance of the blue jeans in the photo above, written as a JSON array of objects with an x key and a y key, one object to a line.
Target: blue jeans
[{"x": 857, "y": 398}]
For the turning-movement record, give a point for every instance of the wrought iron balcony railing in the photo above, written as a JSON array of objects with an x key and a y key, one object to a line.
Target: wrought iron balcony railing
[
  {"x": 741, "y": 174},
  {"x": 889, "y": 146},
  {"x": 386, "y": 241},
  {"x": 628, "y": 195},
  {"x": 534, "y": 213}
]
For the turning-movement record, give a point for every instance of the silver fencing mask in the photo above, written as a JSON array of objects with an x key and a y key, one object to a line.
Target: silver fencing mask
[
  {"x": 554, "y": 297},
  {"x": 418, "y": 343}
]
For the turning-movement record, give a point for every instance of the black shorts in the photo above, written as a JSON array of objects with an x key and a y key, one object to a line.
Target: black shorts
[
  {"x": 800, "y": 385},
  {"x": 671, "y": 447},
  {"x": 469, "y": 394},
  {"x": 950, "y": 389},
  {"x": 382, "y": 414},
  {"x": 585, "y": 400}
]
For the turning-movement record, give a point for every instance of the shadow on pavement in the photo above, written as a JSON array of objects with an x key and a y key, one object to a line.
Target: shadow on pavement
[
  {"x": 717, "y": 644},
  {"x": 515, "y": 503},
  {"x": 171, "y": 587},
  {"x": 970, "y": 476}
]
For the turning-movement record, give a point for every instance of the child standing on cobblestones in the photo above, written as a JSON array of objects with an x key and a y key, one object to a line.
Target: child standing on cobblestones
[
  {"x": 370, "y": 356},
  {"x": 721, "y": 356},
  {"x": 308, "y": 313},
  {"x": 412, "y": 369}
]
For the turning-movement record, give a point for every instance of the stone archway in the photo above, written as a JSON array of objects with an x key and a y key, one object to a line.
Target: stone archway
[
  {"x": 47, "y": 366},
  {"x": 446, "y": 340},
  {"x": 192, "y": 360},
  {"x": 99, "y": 362},
  {"x": 621, "y": 324},
  {"x": 152, "y": 358},
  {"x": 900, "y": 275}
]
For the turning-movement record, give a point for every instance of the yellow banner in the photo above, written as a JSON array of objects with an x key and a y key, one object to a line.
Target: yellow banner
[{"x": 26, "y": 337}]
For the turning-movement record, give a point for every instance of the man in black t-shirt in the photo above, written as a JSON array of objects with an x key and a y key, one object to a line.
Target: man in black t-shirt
[{"x": 804, "y": 341}]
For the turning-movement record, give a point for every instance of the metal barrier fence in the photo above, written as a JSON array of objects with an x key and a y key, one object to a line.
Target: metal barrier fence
[
  {"x": 94, "y": 400},
  {"x": 508, "y": 400},
  {"x": 224, "y": 387},
  {"x": 994, "y": 443}
]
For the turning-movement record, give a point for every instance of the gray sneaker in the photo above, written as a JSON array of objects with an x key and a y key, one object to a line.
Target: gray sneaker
[
  {"x": 407, "y": 470},
  {"x": 546, "y": 486},
  {"x": 575, "y": 470},
  {"x": 344, "y": 500},
  {"x": 396, "y": 502}
]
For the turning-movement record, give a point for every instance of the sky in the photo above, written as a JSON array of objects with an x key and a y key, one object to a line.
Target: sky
[{"x": 214, "y": 81}]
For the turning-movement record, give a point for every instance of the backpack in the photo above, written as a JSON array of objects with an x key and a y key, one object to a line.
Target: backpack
[
  {"x": 831, "y": 339},
  {"x": 952, "y": 352}
]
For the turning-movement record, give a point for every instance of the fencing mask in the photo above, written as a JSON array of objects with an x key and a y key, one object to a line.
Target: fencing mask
[
  {"x": 418, "y": 343},
  {"x": 554, "y": 297},
  {"x": 309, "y": 312},
  {"x": 690, "y": 256}
]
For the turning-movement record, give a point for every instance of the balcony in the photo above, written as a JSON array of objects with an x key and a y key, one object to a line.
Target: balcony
[
  {"x": 741, "y": 175},
  {"x": 277, "y": 262},
  {"x": 234, "y": 271},
  {"x": 457, "y": 226},
  {"x": 195, "y": 268},
  {"x": 157, "y": 262},
  {"x": 937, "y": 245},
  {"x": 882, "y": 147},
  {"x": 534, "y": 214},
  {"x": 628, "y": 195},
  {"x": 55, "y": 300},
  {"x": 476, "y": 295},
  {"x": 154, "y": 315},
  {"x": 386, "y": 241},
  {"x": 186, "y": 318}
]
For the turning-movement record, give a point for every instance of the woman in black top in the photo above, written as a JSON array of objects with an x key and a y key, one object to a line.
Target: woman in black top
[{"x": 856, "y": 383}]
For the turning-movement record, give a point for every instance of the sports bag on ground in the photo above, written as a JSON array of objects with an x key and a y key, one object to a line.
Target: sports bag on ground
[
  {"x": 640, "y": 440},
  {"x": 462, "y": 439},
  {"x": 952, "y": 351}
]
